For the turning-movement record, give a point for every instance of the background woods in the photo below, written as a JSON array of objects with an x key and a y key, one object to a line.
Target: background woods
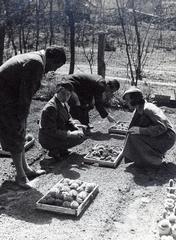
[{"x": 138, "y": 28}]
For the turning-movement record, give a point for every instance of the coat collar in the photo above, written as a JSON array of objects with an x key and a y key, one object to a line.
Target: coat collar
[{"x": 43, "y": 56}]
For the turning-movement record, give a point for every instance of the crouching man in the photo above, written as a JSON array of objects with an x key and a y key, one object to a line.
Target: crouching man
[{"x": 58, "y": 131}]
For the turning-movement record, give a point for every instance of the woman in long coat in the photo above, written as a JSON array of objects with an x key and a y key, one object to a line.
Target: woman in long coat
[
  {"x": 150, "y": 134},
  {"x": 20, "y": 78}
]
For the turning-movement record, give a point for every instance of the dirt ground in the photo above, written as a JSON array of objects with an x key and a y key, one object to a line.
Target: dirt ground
[
  {"x": 130, "y": 201},
  {"x": 128, "y": 205}
]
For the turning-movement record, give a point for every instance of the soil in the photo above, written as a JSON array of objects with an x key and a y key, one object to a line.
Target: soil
[
  {"x": 130, "y": 200},
  {"x": 128, "y": 205}
]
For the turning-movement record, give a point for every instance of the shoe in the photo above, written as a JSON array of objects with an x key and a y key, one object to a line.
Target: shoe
[
  {"x": 23, "y": 182},
  {"x": 35, "y": 173}
]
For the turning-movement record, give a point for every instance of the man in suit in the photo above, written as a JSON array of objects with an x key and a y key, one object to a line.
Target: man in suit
[
  {"x": 58, "y": 131},
  {"x": 88, "y": 91},
  {"x": 20, "y": 78}
]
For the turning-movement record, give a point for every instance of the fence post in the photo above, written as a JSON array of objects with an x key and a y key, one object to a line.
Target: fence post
[{"x": 100, "y": 59}]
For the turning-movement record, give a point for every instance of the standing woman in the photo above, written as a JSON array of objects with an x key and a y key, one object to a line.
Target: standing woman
[
  {"x": 150, "y": 134},
  {"x": 20, "y": 78}
]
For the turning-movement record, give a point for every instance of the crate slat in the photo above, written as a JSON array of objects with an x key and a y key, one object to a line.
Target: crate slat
[
  {"x": 87, "y": 200},
  {"x": 56, "y": 209},
  {"x": 89, "y": 159},
  {"x": 117, "y": 129}
]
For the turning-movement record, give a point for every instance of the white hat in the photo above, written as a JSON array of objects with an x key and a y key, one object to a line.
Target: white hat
[{"x": 132, "y": 89}]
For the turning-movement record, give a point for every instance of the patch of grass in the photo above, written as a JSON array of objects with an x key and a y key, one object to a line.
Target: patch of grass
[{"x": 48, "y": 87}]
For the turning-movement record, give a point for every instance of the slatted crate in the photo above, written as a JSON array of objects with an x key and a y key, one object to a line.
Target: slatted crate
[{"x": 67, "y": 210}]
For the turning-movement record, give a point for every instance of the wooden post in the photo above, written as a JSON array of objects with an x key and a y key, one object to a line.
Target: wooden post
[{"x": 101, "y": 47}]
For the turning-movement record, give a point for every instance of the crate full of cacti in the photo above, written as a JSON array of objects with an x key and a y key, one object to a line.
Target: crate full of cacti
[
  {"x": 68, "y": 196},
  {"x": 103, "y": 155}
]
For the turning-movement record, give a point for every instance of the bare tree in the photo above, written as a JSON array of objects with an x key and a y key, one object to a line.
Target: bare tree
[
  {"x": 126, "y": 41},
  {"x": 101, "y": 47},
  {"x": 88, "y": 34},
  {"x": 138, "y": 32},
  {"x": 70, "y": 8},
  {"x": 37, "y": 23},
  {"x": 51, "y": 40}
]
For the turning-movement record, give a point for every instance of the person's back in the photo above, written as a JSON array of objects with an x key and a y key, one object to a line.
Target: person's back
[
  {"x": 87, "y": 84},
  {"x": 89, "y": 90},
  {"x": 13, "y": 73},
  {"x": 20, "y": 78}
]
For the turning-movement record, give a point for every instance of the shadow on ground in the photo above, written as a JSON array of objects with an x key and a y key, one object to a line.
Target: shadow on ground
[
  {"x": 100, "y": 136},
  {"x": 21, "y": 204},
  {"x": 67, "y": 167},
  {"x": 149, "y": 176}
]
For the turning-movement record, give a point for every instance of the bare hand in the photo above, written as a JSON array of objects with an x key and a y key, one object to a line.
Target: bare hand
[
  {"x": 134, "y": 130},
  {"x": 81, "y": 127},
  {"x": 76, "y": 134}
]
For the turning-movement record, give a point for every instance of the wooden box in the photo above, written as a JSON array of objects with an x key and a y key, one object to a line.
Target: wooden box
[
  {"x": 68, "y": 210},
  {"x": 119, "y": 128},
  {"x": 89, "y": 158},
  {"x": 162, "y": 98}
]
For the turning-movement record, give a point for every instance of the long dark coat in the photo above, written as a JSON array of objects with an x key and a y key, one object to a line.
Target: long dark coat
[{"x": 20, "y": 78}]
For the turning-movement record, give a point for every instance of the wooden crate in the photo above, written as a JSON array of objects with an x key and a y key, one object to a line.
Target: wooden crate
[
  {"x": 64, "y": 210},
  {"x": 118, "y": 129},
  {"x": 90, "y": 159},
  {"x": 96, "y": 160}
]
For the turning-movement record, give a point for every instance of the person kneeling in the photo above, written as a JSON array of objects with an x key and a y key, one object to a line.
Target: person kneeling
[
  {"x": 58, "y": 131},
  {"x": 150, "y": 134}
]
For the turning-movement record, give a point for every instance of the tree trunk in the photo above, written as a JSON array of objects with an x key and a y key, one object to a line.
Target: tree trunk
[
  {"x": 101, "y": 47},
  {"x": 51, "y": 41},
  {"x": 13, "y": 41},
  {"x": 20, "y": 41},
  {"x": 69, "y": 10},
  {"x": 72, "y": 42},
  {"x": 37, "y": 24},
  {"x": 126, "y": 42},
  {"x": 2, "y": 38},
  {"x": 65, "y": 34},
  {"x": 138, "y": 68},
  {"x": 24, "y": 40}
]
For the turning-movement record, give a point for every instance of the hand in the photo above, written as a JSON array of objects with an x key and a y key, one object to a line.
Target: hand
[
  {"x": 111, "y": 119},
  {"x": 81, "y": 126},
  {"x": 76, "y": 134},
  {"x": 134, "y": 130}
]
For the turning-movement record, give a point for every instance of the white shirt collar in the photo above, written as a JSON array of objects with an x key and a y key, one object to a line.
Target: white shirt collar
[{"x": 43, "y": 56}]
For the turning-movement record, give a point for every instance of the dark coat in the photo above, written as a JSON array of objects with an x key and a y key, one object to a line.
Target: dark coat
[
  {"x": 89, "y": 88},
  {"x": 54, "y": 125},
  {"x": 20, "y": 78}
]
